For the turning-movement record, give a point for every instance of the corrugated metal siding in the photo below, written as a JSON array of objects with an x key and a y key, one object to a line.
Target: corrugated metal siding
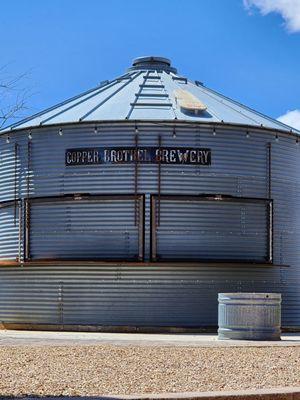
[
  {"x": 239, "y": 168},
  {"x": 239, "y": 165},
  {"x": 9, "y": 232},
  {"x": 212, "y": 230},
  {"x": 84, "y": 230},
  {"x": 161, "y": 295},
  {"x": 12, "y": 162},
  {"x": 286, "y": 194}
]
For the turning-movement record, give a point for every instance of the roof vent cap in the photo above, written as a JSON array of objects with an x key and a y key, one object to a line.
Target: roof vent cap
[{"x": 152, "y": 62}]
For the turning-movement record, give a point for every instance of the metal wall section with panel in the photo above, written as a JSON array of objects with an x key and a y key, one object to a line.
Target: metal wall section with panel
[
  {"x": 85, "y": 227},
  {"x": 10, "y": 231},
  {"x": 212, "y": 228},
  {"x": 239, "y": 166},
  {"x": 257, "y": 166},
  {"x": 162, "y": 295}
]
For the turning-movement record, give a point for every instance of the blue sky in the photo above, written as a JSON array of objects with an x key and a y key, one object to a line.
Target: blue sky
[{"x": 251, "y": 54}]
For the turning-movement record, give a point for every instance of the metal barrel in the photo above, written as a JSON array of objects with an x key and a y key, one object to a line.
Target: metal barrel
[{"x": 249, "y": 316}]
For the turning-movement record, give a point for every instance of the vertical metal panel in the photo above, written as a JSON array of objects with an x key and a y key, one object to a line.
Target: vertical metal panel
[
  {"x": 84, "y": 229},
  {"x": 12, "y": 166},
  {"x": 215, "y": 230},
  {"x": 9, "y": 231},
  {"x": 286, "y": 195}
]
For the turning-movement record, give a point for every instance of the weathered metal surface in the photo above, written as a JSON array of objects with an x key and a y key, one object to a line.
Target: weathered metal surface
[
  {"x": 249, "y": 316},
  {"x": 136, "y": 295},
  {"x": 138, "y": 155},
  {"x": 146, "y": 92},
  {"x": 87, "y": 228},
  {"x": 9, "y": 231},
  {"x": 240, "y": 167},
  {"x": 192, "y": 228}
]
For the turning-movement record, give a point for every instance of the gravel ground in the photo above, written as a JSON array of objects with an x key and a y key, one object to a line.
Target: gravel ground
[{"x": 90, "y": 370}]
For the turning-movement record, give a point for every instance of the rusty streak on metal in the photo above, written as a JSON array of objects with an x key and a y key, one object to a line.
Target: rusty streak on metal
[
  {"x": 270, "y": 231},
  {"x": 28, "y": 166},
  {"x": 153, "y": 229},
  {"x": 27, "y": 205},
  {"x": 159, "y": 180},
  {"x": 16, "y": 183},
  {"x": 76, "y": 197},
  {"x": 20, "y": 230},
  {"x": 270, "y": 205},
  {"x": 27, "y": 230},
  {"x": 269, "y": 145},
  {"x": 141, "y": 227},
  {"x": 136, "y": 177}
]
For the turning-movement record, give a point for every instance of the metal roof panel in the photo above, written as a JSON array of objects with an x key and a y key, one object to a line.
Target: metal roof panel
[{"x": 147, "y": 92}]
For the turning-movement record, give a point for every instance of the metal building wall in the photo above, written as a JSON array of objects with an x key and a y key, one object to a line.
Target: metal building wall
[
  {"x": 240, "y": 167},
  {"x": 215, "y": 230},
  {"x": 286, "y": 193},
  {"x": 138, "y": 296},
  {"x": 10, "y": 232},
  {"x": 84, "y": 229}
]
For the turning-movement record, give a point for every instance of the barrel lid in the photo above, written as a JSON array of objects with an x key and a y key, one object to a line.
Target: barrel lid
[{"x": 249, "y": 296}]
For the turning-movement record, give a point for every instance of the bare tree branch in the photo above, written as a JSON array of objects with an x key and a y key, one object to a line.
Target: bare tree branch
[{"x": 13, "y": 96}]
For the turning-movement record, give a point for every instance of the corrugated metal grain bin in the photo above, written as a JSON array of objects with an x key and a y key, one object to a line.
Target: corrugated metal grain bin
[{"x": 135, "y": 203}]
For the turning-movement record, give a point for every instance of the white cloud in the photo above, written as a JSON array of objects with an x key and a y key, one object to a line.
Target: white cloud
[
  {"x": 288, "y": 9},
  {"x": 291, "y": 118}
]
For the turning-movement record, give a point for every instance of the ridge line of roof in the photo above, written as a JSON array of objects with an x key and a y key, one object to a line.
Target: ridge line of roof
[
  {"x": 214, "y": 113},
  {"x": 250, "y": 109},
  {"x": 94, "y": 93},
  {"x": 208, "y": 90},
  {"x": 110, "y": 96},
  {"x": 173, "y": 108},
  {"x": 62, "y": 103},
  {"x": 228, "y": 105}
]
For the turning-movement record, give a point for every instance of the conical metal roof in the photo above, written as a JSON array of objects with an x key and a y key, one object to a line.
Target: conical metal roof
[{"x": 151, "y": 90}]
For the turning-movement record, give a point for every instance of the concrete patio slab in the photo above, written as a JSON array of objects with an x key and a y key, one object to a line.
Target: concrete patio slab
[
  {"x": 9, "y": 337},
  {"x": 289, "y": 393}
]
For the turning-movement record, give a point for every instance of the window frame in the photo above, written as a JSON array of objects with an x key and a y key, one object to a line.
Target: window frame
[
  {"x": 155, "y": 221},
  {"x": 139, "y": 206},
  {"x": 17, "y": 221}
]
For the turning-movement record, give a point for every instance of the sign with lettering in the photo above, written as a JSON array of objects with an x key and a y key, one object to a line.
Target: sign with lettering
[{"x": 125, "y": 155}]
